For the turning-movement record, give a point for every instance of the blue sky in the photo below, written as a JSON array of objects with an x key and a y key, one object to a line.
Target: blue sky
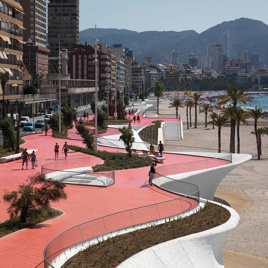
[{"x": 167, "y": 15}]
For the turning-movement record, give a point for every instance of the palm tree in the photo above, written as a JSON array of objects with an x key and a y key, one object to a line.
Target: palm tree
[
  {"x": 4, "y": 80},
  {"x": 191, "y": 105},
  {"x": 158, "y": 92},
  {"x": 213, "y": 116},
  {"x": 220, "y": 121},
  {"x": 205, "y": 109},
  {"x": 195, "y": 97},
  {"x": 177, "y": 103},
  {"x": 234, "y": 96},
  {"x": 230, "y": 113},
  {"x": 240, "y": 116},
  {"x": 256, "y": 114},
  {"x": 188, "y": 104},
  {"x": 259, "y": 132}
]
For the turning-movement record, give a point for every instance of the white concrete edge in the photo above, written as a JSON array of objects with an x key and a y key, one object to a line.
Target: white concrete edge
[
  {"x": 69, "y": 253},
  {"x": 160, "y": 136},
  {"x": 202, "y": 249},
  {"x": 182, "y": 136}
]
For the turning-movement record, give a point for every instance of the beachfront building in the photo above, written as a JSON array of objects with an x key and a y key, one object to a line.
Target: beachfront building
[
  {"x": 11, "y": 53},
  {"x": 63, "y": 25},
  {"x": 74, "y": 92},
  {"x": 138, "y": 79},
  {"x": 35, "y": 56},
  {"x": 82, "y": 66}
]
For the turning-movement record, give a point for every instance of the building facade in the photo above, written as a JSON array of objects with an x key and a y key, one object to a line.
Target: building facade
[
  {"x": 11, "y": 53},
  {"x": 175, "y": 58},
  {"x": 35, "y": 21},
  {"x": 63, "y": 25}
]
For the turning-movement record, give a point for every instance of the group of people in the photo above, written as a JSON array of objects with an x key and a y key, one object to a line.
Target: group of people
[
  {"x": 65, "y": 148},
  {"x": 26, "y": 156},
  {"x": 138, "y": 119}
]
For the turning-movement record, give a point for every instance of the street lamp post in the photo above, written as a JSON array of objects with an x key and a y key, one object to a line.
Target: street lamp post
[
  {"x": 59, "y": 90},
  {"x": 96, "y": 91}
]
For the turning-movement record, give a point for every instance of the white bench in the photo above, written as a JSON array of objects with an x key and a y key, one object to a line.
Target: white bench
[{"x": 13, "y": 157}]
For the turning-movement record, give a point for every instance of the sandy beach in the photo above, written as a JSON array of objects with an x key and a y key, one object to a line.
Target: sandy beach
[{"x": 245, "y": 188}]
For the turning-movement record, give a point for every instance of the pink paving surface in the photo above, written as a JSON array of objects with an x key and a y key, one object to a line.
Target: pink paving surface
[{"x": 25, "y": 248}]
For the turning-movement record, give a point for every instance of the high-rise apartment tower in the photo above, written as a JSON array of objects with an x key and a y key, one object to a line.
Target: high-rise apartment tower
[
  {"x": 35, "y": 21},
  {"x": 63, "y": 24}
]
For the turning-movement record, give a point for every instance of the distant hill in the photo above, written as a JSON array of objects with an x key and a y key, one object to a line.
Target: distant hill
[{"x": 248, "y": 34}]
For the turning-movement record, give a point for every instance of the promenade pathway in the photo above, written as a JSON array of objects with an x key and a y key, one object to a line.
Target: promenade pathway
[{"x": 25, "y": 248}]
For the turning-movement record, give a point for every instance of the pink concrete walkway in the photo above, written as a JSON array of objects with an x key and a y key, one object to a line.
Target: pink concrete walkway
[{"x": 25, "y": 248}]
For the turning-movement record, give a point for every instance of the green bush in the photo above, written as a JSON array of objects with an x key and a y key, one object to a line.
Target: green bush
[
  {"x": 69, "y": 114},
  {"x": 8, "y": 134},
  {"x": 88, "y": 139}
]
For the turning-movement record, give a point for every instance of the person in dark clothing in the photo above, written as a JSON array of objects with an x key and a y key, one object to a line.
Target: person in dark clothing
[{"x": 152, "y": 173}]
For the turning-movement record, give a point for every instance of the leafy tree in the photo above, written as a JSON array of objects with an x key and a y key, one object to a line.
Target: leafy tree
[
  {"x": 102, "y": 116},
  {"x": 126, "y": 100},
  {"x": 127, "y": 138},
  {"x": 256, "y": 114},
  {"x": 240, "y": 117},
  {"x": 8, "y": 133},
  {"x": 92, "y": 107},
  {"x": 37, "y": 193},
  {"x": 158, "y": 92},
  {"x": 196, "y": 97},
  {"x": 206, "y": 109},
  {"x": 30, "y": 89},
  {"x": 220, "y": 121},
  {"x": 20, "y": 111},
  {"x": 37, "y": 81},
  {"x": 69, "y": 115},
  {"x": 54, "y": 122},
  {"x": 4, "y": 80},
  {"x": 88, "y": 138},
  {"x": 234, "y": 96},
  {"x": 177, "y": 103}
]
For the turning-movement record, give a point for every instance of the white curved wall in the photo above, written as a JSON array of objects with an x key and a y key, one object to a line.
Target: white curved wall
[
  {"x": 207, "y": 180},
  {"x": 197, "y": 250}
]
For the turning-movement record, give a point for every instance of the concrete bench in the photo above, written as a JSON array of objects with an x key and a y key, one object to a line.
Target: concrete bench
[
  {"x": 155, "y": 156},
  {"x": 14, "y": 157},
  {"x": 158, "y": 158}
]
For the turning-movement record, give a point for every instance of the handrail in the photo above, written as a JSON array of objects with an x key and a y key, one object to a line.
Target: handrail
[{"x": 122, "y": 219}]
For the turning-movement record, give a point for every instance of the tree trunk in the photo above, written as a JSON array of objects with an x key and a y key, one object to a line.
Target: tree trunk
[
  {"x": 219, "y": 139},
  {"x": 190, "y": 116},
  {"x": 195, "y": 119},
  {"x": 259, "y": 147},
  {"x": 206, "y": 119},
  {"x": 23, "y": 214},
  {"x": 238, "y": 137},
  {"x": 3, "y": 106},
  {"x": 232, "y": 136},
  {"x": 177, "y": 112},
  {"x": 187, "y": 117},
  {"x": 157, "y": 105}
]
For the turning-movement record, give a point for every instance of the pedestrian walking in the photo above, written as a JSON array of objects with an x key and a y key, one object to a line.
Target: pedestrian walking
[
  {"x": 134, "y": 118},
  {"x": 25, "y": 157},
  {"x": 33, "y": 159},
  {"x": 138, "y": 119},
  {"x": 85, "y": 115},
  {"x": 152, "y": 173},
  {"x": 65, "y": 148},
  {"x": 161, "y": 148},
  {"x": 46, "y": 130},
  {"x": 75, "y": 121},
  {"x": 151, "y": 149},
  {"x": 56, "y": 150}
]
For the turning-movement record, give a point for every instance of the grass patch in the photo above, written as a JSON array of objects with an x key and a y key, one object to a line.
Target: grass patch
[
  {"x": 7, "y": 152},
  {"x": 34, "y": 217},
  {"x": 115, "y": 250},
  {"x": 62, "y": 135},
  {"x": 117, "y": 161},
  {"x": 150, "y": 133}
]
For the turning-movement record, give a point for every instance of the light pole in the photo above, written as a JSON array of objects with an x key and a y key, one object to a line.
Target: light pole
[
  {"x": 96, "y": 90},
  {"x": 59, "y": 90}
]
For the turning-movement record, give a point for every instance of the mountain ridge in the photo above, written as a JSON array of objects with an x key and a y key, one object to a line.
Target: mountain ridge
[{"x": 245, "y": 34}]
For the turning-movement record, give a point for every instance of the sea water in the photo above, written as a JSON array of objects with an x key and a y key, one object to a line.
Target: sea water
[{"x": 259, "y": 100}]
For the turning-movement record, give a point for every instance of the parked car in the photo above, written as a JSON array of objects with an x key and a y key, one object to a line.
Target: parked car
[
  {"x": 40, "y": 123},
  {"x": 24, "y": 120},
  {"x": 47, "y": 117},
  {"x": 29, "y": 126}
]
